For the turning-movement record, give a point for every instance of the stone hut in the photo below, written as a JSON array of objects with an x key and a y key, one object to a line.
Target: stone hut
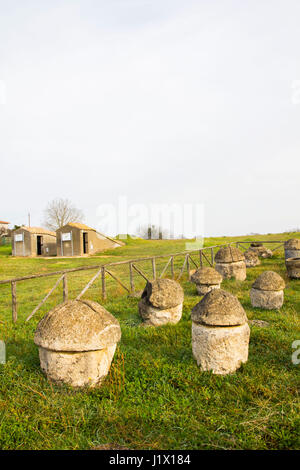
[
  {"x": 33, "y": 241},
  {"x": 76, "y": 239},
  {"x": 292, "y": 248},
  {"x": 251, "y": 258},
  {"x": 230, "y": 262},
  {"x": 261, "y": 250},
  {"x": 161, "y": 302},
  {"x": 220, "y": 333},
  {"x": 293, "y": 267},
  {"x": 77, "y": 341},
  {"x": 206, "y": 279},
  {"x": 267, "y": 291}
]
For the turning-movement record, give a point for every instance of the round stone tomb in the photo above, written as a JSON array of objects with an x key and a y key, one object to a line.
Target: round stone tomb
[
  {"x": 251, "y": 258},
  {"x": 230, "y": 262},
  {"x": 293, "y": 267},
  {"x": 161, "y": 302},
  {"x": 77, "y": 341},
  {"x": 261, "y": 250},
  {"x": 220, "y": 333},
  {"x": 292, "y": 248},
  {"x": 267, "y": 291},
  {"x": 206, "y": 279}
]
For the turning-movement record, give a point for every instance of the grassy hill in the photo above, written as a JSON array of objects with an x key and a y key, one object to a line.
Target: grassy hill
[{"x": 155, "y": 396}]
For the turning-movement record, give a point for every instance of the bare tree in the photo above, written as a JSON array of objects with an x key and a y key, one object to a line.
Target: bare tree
[{"x": 60, "y": 212}]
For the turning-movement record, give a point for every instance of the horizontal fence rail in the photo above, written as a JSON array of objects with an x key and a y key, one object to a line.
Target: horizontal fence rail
[{"x": 205, "y": 254}]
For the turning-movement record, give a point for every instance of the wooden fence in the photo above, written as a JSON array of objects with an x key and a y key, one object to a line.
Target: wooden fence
[{"x": 204, "y": 255}]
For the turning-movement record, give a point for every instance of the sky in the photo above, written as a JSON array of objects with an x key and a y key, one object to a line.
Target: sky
[{"x": 155, "y": 101}]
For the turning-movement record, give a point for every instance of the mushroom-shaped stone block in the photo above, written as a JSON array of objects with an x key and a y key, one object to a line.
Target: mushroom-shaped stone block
[
  {"x": 206, "y": 279},
  {"x": 293, "y": 267},
  {"x": 230, "y": 262},
  {"x": 77, "y": 341},
  {"x": 292, "y": 248},
  {"x": 251, "y": 258},
  {"x": 220, "y": 333},
  {"x": 261, "y": 250},
  {"x": 267, "y": 291},
  {"x": 161, "y": 302}
]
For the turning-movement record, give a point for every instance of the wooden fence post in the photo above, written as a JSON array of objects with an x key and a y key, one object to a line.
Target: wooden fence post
[
  {"x": 212, "y": 256},
  {"x": 200, "y": 258},
  {"x": 103, "y": 282},
  {"x": 131, "y": 278},
  {"x": 188, "y": 266},
  {"x": 172, "y": 267},
  {"x": 14, "y": 301},
  {"x": 153, "y": 269},
  {"x": 65, "y": 288}
]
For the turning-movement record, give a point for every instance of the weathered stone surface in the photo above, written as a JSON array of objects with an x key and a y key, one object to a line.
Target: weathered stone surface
[
  {"x": 269, "y": 281},
  {"x": 291, "y": 254},
  {"x": 203, "y": 289},
  {"x": 293, "y": 267},
  {"x": 219, "y": 308},
  {"x": 221, "y": 350},
  {"x": 153, "y": 316},
  {"x": 80, "y": 325},
  {"x": 266, "y": 299},
  {"x": 261, "y": 250},
  {"x": 163, "y": 293},
  {"x": 79, "y": 369},
  {"x": 77, "y": 341},
  {"x": 292, "y": 244},
  {"x": 229, "y": 254},
  {"x": 235, "y": 270},
  {"x": 251, "y": 258},
  {"x": 207, "y": 276}
]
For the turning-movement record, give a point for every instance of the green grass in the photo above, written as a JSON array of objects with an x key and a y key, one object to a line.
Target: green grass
[{"x": 155, "y": 396}]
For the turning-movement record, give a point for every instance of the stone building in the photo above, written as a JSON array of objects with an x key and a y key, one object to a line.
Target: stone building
[
  {"x": 33, "y": 241},
  {"x": 76, "y": 239}
]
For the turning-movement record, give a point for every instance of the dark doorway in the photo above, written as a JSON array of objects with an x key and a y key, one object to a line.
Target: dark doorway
[
  {"x": 39, "y": 245},
  {"x": 85, "y": 243}
]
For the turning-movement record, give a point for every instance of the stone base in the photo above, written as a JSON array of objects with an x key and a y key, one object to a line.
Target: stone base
[
  {"x": 153, "y": 316},
  {"x": 291, "y": 254},
  {"x": 250, "y": 263},
  {"x": 229, "y": 270},
  {"x": 203, "y": 289},
  {"x": 78, "y": 369},
  {"x": 265, "y": 299},
  {"x": 220, "y": 349},
  {"x": 293, "y": 268}
]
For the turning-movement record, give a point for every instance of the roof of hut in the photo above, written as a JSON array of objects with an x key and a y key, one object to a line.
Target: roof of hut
[
  {"x": 292, "y": 243},
  {"x": 163, "y": 293},
  {"x": 36, "y": 230},
  {"x": 251, "y": 254},
  {"x": 229, "y": 254},
  {"x": 77, "y": 325},
  {"x": 219, "y": 308},
  {"x": 269, "y": 280},
  {"x": 206, "y": 275}
]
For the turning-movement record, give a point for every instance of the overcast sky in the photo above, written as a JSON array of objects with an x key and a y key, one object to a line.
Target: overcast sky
[{"x": 159, "y": 101}]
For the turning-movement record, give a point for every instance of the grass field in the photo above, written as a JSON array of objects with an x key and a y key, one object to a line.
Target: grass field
[{"x": 155, "y": 396}]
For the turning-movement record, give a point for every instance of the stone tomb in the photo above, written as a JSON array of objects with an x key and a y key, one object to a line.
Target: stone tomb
[
  {"x": 77, "y": 341},
  {"x": 161, "y": 302},
  {"x": 220, "y": 333},
  {"x": 267, "y": 291}
]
